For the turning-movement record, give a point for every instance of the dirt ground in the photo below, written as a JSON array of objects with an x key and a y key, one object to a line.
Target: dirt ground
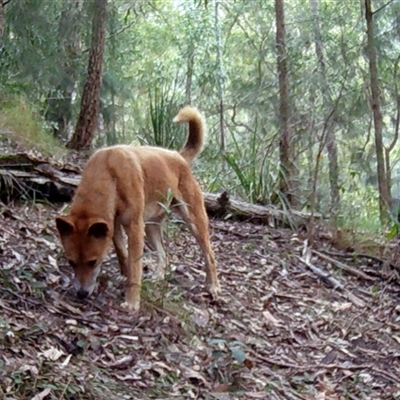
[{"x": 279, "y": 331}]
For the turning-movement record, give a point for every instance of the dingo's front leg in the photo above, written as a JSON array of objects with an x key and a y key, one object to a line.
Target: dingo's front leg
[
  {"x": 120, "y": 247},
  {"x": 134, "y": 268}
]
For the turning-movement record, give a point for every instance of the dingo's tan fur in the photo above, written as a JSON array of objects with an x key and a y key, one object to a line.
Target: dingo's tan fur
[{"x": 122, "y": 188}]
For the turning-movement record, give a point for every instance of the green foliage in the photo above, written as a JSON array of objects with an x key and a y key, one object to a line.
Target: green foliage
[
  {"x": 252, "y": 168},
  {"x": 20, "y": 122},
  {"x": 162, "y": 110},
  {"x": 228, "y": 358},
  {"x": 362, "y": 211},
  {"x": 162, "y": 54},
  {"x": 395, "y": 229},
  {"x": 32, "y": 55}
]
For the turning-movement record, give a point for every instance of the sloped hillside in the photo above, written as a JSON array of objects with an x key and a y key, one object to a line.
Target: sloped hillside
[{"x": 279, "y": 330}]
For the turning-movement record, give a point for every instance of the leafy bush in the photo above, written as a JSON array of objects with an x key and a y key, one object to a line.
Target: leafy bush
[
  {"x": 22, "y": 124},
  {"x": 162, "y": 109},
  {"x": 252, "y": 168}
]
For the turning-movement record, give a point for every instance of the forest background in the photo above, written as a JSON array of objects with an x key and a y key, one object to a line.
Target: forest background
[{"x": 301, "y": 97}]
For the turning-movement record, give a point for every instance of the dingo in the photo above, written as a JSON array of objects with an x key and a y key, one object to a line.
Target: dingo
[{"x": 122, "y": 187}]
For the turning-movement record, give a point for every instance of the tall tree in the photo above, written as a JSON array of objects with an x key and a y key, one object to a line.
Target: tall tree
[
  {"x": 383, "y": 184},
  {"x": 2, "y": 5},
  {"x": 287, "y": 183},
  {"x": 327, "y": 102},
  {"x": 1, "y": 19},
  {"x": 59, "y": 103},
  {"x": 220, "y": 77},
  {"x": 90, "y": 103}
]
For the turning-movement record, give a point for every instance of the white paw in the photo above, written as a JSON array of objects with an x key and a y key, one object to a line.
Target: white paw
[
  {"x": 131, "y": 306},
  {"x": 214, "y": 289}
]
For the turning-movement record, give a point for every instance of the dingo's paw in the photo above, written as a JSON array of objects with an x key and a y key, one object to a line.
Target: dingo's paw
[
  {"x": 131, "y": 306},
  {"x": 214, "y": 289}
]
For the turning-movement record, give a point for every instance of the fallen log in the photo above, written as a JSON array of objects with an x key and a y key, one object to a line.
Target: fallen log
[
  {"x": 222, "y": 206},
  {"x": 26, "y": 176}
]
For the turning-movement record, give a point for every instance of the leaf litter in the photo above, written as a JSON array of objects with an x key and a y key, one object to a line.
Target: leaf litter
[{"x": 291, "y": 322}]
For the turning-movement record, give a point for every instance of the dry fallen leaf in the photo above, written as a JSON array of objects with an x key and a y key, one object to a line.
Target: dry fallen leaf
[
  {"x": 43, "y": 394},
  {"x": 200, "y": 316},
  {"x": 190, "y": 373},
  {"x": 270, "y": 318},
  {"x": 221, "y": 396},
  {"x": 52, "y": 354}
]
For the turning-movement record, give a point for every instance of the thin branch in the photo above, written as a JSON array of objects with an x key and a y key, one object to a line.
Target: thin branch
[
  {"x": 344, "y": 267},
  {"x": 381, "y": 8},
  {"x": 123, "y": 29}
]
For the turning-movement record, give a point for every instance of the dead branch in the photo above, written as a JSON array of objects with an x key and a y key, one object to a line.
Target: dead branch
[
  {"x": 333, "y": 282},
  {"x": 344, "y": 267}
]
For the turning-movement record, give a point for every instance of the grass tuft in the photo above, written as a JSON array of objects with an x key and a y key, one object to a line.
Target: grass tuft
[{"x": 23, "y": 125}]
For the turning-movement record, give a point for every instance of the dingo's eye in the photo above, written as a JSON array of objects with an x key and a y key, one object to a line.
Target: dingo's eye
[
  {"x": 72, "y": 263},
  {"x": 91, "y": 263}
]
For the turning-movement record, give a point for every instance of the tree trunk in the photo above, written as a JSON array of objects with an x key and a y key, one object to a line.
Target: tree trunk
[
  {"x": 88, "y": 117},
  {"x": 383, "y": 184},
  {"x": 189, "y": 75},
  {"x": 330, "y": 134},
  {"x": 59, "y": 102},
  {"x": 220, "y": 78},
  {"x": 1, "y": 20},
  {"x": 287, "y": 179},
  {"x": 111, "y": 134}
]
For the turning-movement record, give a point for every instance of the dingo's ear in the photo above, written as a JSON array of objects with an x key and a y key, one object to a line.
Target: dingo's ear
[
  {"x": 98, "y": 230},
  {"x": 64, "y": 226}
]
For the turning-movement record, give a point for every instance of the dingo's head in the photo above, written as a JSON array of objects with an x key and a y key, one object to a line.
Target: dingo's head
[{"x": 86, "y": 242}]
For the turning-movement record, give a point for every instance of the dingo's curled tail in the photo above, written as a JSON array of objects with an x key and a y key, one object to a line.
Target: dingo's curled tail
[{"x": 197, "y": 132}]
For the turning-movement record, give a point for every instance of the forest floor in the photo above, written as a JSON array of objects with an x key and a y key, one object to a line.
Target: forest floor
[{"x": 278, "y": 331}]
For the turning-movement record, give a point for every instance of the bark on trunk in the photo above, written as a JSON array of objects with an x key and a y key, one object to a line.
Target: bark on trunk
[
  {"x": 189, "y": 76},
  {"x": 90, "y": 103},
  {"x": 383, "y": 184},
  {"x": 220, "y": 77},
  {"x": 287, "y": 179},
  {"x": 1, "y": 20}
]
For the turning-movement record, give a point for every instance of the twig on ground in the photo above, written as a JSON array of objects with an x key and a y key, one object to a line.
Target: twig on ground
[
  {"x": 359, "y": 255},
  {"x": 345, "y": 267},
  {"x": 349, "y": 367},
  {"x": 333, "y": 281},
  {"x": 322, "y": 274}
]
